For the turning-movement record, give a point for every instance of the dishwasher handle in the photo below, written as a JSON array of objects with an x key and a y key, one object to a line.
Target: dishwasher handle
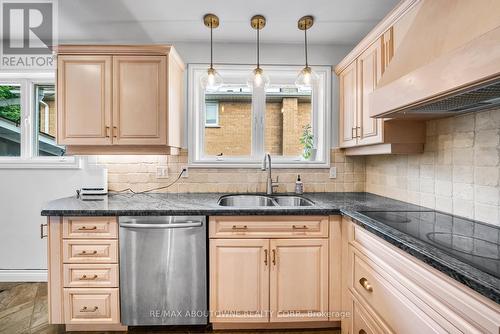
[{"x": 187, "y": 224}]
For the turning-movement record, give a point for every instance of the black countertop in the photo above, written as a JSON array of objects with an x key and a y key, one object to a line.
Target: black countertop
[{"x": 463, "y": 249}]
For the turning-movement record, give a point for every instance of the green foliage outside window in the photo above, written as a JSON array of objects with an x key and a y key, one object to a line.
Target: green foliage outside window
[{"x": 12, "y": 112}]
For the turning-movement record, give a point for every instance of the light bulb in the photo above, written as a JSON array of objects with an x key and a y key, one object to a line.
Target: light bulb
[
  {"x": 212, "y": 80},
  {"x": 258, "y": 79},
  {"x": 306, "y": 78}
]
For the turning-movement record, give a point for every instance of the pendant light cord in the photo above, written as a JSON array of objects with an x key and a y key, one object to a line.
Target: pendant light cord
[
  {"x": 305, "y": 48},
  {"x": 211, "y": 45},
  {"x": 258, "y": 48}
]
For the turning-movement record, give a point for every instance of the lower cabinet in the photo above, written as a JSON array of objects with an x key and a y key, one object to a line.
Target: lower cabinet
[{"x": 265, "y": 280}]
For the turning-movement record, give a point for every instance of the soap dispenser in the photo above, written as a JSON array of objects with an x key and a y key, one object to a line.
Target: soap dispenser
[{"x": 299, "y": 186}]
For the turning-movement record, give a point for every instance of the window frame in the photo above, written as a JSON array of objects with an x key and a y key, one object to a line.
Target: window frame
[
  {"x": 321, "y": 99},
  {"x": 28, "y": 158}
]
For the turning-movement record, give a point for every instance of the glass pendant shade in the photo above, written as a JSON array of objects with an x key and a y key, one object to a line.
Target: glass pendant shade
[
  {"x": 306, "y": 78},
  {"x": 212, "y": 80},
  {"x": 258, "y": 79}
]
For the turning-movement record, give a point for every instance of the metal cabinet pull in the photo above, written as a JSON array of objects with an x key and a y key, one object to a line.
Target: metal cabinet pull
[
  {"x": 244, "y": 227},
  {"x": 85, "y": 228},
  {"x": 365, "y": 284},
  {"x": 85, "y": 309},
  {"x": 86, "y": 254},
  {"x": 265, "y": 257},
  {"x": 362, "y": 331},
  {"x": 298, "y": 227},
  {"x": 107, "y": 131},
  {"x": 274, "y": 257},
  {"x": 358, "y": 134},
  {"x": 42, "y": 235},
  {"x": 115, "y": 131},
  {"x": 85, "y": 278},
  {"x": 353, "y": 133}
]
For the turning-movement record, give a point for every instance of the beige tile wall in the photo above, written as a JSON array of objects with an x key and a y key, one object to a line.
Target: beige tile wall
[
  {"x": 139, "y": 173},
  {"x": 458, "y": 172}
]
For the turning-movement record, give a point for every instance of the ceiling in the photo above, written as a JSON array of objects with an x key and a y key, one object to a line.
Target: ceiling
[{"x": 342, "y": 22}]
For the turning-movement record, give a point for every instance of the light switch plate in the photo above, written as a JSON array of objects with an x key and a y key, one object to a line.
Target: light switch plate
[
  {"x": 333, "y": 172},
  {"x": 162, "y": 172}
]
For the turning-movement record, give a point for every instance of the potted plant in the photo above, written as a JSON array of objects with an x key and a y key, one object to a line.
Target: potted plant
[{"x": 307, "y": 140}]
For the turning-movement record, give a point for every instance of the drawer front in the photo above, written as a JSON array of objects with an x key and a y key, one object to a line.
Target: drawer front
[
  {"x": 269, "y": 227},
  {"x": 362, "y": 322},
  {"x": 90, "y": 251},
  {"x": 90, "y": 275},
  {"x": 90, "y": 227},
  {"x": 396, "y": 311},
  {"x": 87, "y": 306}
]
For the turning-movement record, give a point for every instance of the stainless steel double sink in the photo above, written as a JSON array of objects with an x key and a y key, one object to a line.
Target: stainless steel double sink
[{"x": 252, "y": 201}]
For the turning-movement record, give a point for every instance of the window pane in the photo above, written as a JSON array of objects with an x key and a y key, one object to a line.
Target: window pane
[
  {"x": 233, "y": 136},
  {"x": 212, "y": 113},
  {"x": 10, "y": 119},
  {"x": 288, "y": 116},
  {"x": 46, "y": 122}
]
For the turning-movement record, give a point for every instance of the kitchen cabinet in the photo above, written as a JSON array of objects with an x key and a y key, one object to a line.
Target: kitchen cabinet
[
  {"x": 281, "y": 278},
  {"x": 348, "y": 118},
  {"x": 119, "y": 99},
  {"x": 388, "y": 291}
]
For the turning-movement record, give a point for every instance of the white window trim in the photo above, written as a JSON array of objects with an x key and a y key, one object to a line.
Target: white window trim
[
  {"x": 216, "y": 124},
  {"x": 196, "y": 123},
  {"x": 27, "y": 158}
]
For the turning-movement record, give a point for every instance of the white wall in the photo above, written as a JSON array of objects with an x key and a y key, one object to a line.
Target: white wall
[{"x": 23, "y": 191}]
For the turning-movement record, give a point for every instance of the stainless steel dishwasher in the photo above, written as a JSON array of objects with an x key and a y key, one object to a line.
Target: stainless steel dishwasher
[{"x": 163, "y": 270}]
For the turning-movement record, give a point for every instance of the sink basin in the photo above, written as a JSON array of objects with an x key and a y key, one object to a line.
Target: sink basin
[
  {"x": 252, "y": 201},
  {"x": 246, "y": 201},
  {"x": 292, "y": 201}
]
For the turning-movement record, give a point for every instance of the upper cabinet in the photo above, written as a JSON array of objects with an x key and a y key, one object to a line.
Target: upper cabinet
[
  {"x": 120, "y": 99},
  {"x": 359, "y": 73}
]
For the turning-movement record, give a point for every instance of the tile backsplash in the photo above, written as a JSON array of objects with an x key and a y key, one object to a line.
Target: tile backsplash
[
  {"x": 458, "y": 172},
  {"x": 138, "y": 172}
]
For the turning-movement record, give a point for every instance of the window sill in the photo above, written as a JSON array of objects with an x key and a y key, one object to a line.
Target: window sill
[
  {"x": 253, "y": 165},
  {"x": 40, "y": 163},
  {"x": 212, "y": 126}
]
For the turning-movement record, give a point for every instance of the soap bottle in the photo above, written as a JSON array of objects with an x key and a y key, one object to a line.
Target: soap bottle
[{"x": 299, "y": 186}]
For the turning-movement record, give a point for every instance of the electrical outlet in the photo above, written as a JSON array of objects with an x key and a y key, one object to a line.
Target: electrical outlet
[
  {"x": 186, "y": 172},
  {"x": 162, "y": 172},
  {"x": 333, "y": 172}
]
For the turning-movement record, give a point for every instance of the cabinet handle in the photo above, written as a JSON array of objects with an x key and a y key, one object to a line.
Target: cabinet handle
[
  {"x": 265, "y": 257},
  {"x": 365, "y": 284},
  {"x": 85, "y": 278},
  {"x": 298, "y": 227},
  {"x": 85, "y": 309},
  {"x": 353, "y": 133},
  {"x": 84, "y": 253},
  {"x": 107, "y": 131},
  {"x": 362, "y": 331},
  {"x": 42, "y": 235},
  {"x": 115, "y": 130},
  {"x": 85, "y": 228},
  {"x": 358, "y": 134},
  {"x": 244, "y": 227},
  {"x": 274, "y": 257}
]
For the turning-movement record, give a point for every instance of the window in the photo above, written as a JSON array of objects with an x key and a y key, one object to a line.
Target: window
[
  {"x": 235, "y": 126},
  {"x": 28, "y": 121},
  {"x": 211, "y": 113}
]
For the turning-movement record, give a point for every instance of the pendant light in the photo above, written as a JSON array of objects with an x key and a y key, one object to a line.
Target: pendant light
[
  {"x": 307, "y": 76},
  {"x": 258, "y": 78},
  {"x": 212, "y": 80}
]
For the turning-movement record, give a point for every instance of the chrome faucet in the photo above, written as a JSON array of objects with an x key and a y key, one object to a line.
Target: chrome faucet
[{"x": 270, "y": 184}]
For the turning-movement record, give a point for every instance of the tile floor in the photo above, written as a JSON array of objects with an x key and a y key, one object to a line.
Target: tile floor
[{"x": 23, "y": 309}]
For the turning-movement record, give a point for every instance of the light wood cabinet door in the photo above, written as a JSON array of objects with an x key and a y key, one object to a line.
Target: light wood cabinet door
[
  {"x": 84, "y": 100},
  {"x": 239, "y": 280},
  {"x": 369, "y": 130},
  {"x": 299, "y": 280},
  {"x": 348, "y": 106},
  {"x": 140, "y": 100}
]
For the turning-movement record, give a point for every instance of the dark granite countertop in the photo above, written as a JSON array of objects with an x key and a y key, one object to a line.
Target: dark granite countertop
[{"x": 475, "y": 274}]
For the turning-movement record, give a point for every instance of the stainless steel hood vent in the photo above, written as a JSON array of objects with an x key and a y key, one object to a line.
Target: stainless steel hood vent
[{"x": 483, "y": 97}]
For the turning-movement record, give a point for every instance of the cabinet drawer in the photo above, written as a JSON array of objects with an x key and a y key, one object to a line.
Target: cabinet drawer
[
  {"x": 399, "y": 313},
  {"x": 90, "y": 275},
  {"x": 362, "y": 322},
  {"x": 268, "y": 227},
  {"x": 90, "y": 227},
  {"x": 86, "y": 306},
  {"x": 90, "y": 251}
]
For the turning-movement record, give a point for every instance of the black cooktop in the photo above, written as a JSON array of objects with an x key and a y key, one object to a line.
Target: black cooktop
[{"x": 472, "y": 242}]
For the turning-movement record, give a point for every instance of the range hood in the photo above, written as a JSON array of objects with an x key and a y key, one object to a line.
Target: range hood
[{"x": 447, "y": 63}]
